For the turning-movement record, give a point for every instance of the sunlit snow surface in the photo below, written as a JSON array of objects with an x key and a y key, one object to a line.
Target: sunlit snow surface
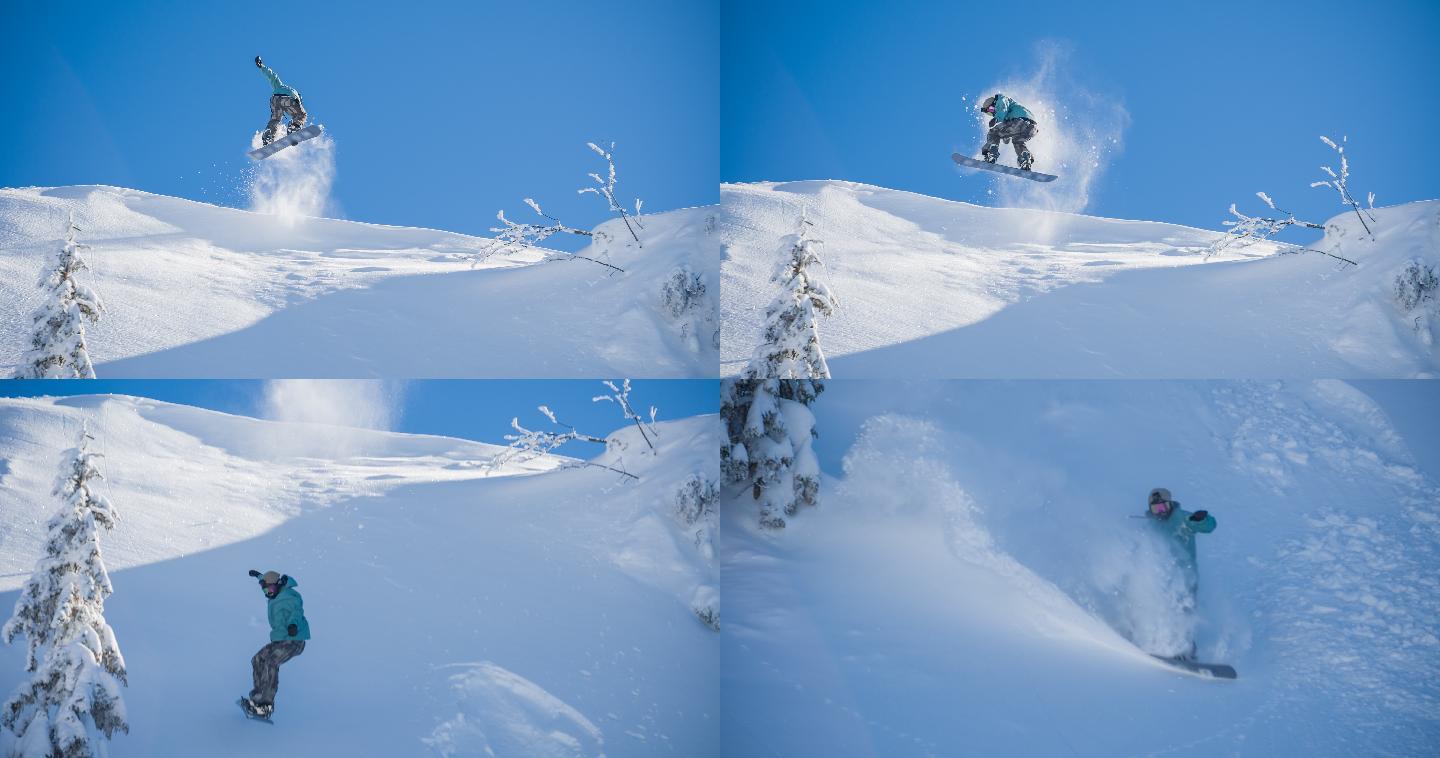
[
  {"x": 963, "y": 586},
  {"x": 451, "y": 606},
  {"x": 196, "y": 290},
  {"x": 935, "y": 288}
]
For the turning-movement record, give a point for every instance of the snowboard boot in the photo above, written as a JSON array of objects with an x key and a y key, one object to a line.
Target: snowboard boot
[
  {"x": 258, "y": 710},
  {"x": 1026, "y": 160},
  {"x": 990, "y": 153}
]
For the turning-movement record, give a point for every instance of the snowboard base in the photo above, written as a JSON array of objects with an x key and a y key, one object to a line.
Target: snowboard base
[
  {"x": 253, "y": 717},
  {"x": 1217, "y": 670},
  {"x": 976, "y": 163},
  {"x": 283, "y": 141}
]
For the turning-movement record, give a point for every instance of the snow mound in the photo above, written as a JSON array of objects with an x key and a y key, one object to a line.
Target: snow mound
[
  {"x": 936, "y": 288},
  {"x": 196, "y": 290},
  {"x": 502, "y": 713}
]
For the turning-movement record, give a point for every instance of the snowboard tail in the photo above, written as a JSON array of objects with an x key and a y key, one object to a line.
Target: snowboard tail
[
  {"x": 283, "y": 141},
  {"x": 977, "y": 163},
  {"x": 1217, "y": 670}
]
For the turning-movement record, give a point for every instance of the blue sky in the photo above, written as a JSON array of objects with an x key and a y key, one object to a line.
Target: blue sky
[
  {"x": 1224, "y": 98},
  {"x": 474, "y": 410},
  {"x": 442, "y": 112}
]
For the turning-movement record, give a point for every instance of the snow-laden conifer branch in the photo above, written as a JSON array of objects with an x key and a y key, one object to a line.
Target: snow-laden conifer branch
[
  {"x": 605, "y": 187},
  {"x": 790, "y": 347},
  {"x": 621, "y": 397},
  {"x": 75, "y": 663},
  {"x": 1339, "y": 182},
  {"x": 57, "y": 342}
]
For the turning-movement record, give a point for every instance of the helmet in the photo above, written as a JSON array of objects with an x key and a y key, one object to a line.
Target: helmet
[
  {"x": 1159, "y": 503},
  {"x": 989, "y": 102},
  {"x": 272, "y": 582}
]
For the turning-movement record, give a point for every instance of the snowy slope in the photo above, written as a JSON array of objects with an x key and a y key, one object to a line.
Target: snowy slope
[
  {"x": 935, "y": 288},
  {"x": 453, "y": 608},
  {"x": 199, "y": 290},
  {"x": 963, "y": 587}
]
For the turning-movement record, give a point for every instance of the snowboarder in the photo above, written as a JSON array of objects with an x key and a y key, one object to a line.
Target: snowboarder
[
  {"x": 288, "y": 632},
  {"x": 1009, "y": 122},
  {"x": 1179, "y": 527},
  {"x": 283, "y": 100}
]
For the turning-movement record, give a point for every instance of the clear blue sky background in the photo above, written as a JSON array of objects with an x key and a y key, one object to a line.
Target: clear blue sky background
[
  {"x": 1225, "y": 97},
  {"x": 474, "y": 410},
  {"x": 442, "y": 112}
]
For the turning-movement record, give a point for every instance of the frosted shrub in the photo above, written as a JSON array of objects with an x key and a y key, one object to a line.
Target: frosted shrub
[
  {"x": 1416, "y": 285},
  {"x": 683, "y": 299}
]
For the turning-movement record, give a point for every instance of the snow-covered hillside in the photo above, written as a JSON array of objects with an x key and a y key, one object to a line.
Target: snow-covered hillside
[
  {"x": 935, "y": 288},
  {"x": 196, "y": 290},
  {"x": 532, "y": 610},
  {"x": 963, "y": 587}
]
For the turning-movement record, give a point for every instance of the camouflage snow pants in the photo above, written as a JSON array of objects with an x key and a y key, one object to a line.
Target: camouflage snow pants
[
  {"x": 1016, "y": 131},
  {"x": 279, "y": 106},
  {"x": 266, "y": 667}
]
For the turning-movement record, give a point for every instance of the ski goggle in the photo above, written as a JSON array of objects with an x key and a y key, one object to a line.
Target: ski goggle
[{"x": 1160, "y": 507}]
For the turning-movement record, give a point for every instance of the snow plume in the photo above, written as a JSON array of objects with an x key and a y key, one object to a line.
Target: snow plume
[
  {"x": 358, "y": 403},
  {"x": 1080, "y": 133},
  {"x": 295, "y": 182}
]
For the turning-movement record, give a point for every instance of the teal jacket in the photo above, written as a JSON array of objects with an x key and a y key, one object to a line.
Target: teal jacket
[
  {"x": 285, "y": 609},
  {"x": 1180, "y": 532},
  {"x": 1006, "y": 109},
  {"x": 277, "y": 86}
]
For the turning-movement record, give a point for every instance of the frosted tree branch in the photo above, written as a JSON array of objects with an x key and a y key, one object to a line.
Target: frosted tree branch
[
  {"x": 605, "y": 188},
  {"x": 621, "y": 397},
  {"x": 1339, "y": 182}
]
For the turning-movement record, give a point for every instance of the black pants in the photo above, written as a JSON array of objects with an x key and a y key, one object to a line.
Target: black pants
[
  {"x": 279, "y": 106},
  {"x": 1016, "y": 131}
]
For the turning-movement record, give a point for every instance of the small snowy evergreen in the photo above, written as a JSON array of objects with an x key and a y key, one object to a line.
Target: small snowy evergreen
[
  {"x": 75, "y": 663},
  {"x": 57, "y": 342},
  {"x": 790, "y": 346},
  {"x": 768, "y": 449}
]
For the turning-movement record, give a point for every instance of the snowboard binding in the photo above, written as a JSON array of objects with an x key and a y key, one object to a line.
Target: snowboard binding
[
  {"x": 1026, "y": 160},
  {"x": 991, "y": 153}
]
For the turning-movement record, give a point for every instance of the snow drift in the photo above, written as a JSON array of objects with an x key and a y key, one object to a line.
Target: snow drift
[
  {"x": 935, "y": 288},
  {"x": 540, "y": 609},
  {"x": 973, "y": 585},
  {"x": 196, "y": 290}
]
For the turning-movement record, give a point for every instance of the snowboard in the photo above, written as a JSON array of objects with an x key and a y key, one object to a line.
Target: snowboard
[
  {"x": 286, "y": 140},
  {"x": 977, "y": 163},
  {"x": 1217, "y": 670},
  {"x": 253, "y": 717}
]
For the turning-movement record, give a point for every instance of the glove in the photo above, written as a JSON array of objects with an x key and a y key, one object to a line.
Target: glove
[
  {"x": 293, "y": 630},
  {"x": 255, "y": 573},
  {"x": 992, "y": 120},
  {"x": 1199, "y": 515},
  {"x": 259, "y": 63}
]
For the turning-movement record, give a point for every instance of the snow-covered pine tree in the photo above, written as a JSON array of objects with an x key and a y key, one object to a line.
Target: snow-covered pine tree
[
  {"x": 74, "y": 661},
  {"x": 57, "y": 344},
  {"x": 790, "y": 346},
  {"x": 767, "y": 455}
]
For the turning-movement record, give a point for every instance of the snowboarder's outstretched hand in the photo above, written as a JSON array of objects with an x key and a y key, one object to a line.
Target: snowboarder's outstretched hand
[
  {"x": 255, "y": 573},
  {"x": 259, "y": 63},
  {"x": 293, "y": 630},
  {"x": 1199, "y": 515}
]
